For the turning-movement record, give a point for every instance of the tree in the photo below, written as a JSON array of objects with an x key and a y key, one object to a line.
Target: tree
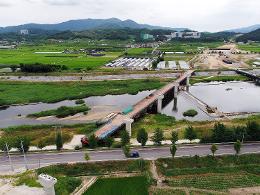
[
  {"x": 25, "y": 143},
  {"x": 125, "y": 138},
  {"x": 173, "y": 150},
  {"x": 41, "y": 144},
  {"x": 126, "y": 150},
  {"x": 142, "y": 136},
  {"x": 58, "y": 141},
  {"x": 237, "y": 147},
  {"x": 214, "y": 149},
  {"x": 158, "y": 137},
  {"x": 109, "y": 141},
  {"x": 87, "y": 158},
  {"x": 4, "y": 141},
  {"x": 174, "y": 137},
  {"x": 240, "y": 133},
  {"x": 190, "y": 134},
  {"x": 92, "y": 141},
  {"x": 253, "y": 131}
]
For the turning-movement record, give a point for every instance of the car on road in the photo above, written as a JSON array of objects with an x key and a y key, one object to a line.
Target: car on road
[{"x": 134, "y": 154}]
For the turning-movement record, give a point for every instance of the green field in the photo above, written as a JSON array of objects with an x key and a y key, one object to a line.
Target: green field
[
  {"x": 253, "y": 47},
  {"x": 176, "y": 46},
  {"x": 26, "y": 54},
  {"x": 139, "y": 51},
  {"x": 46, "y": 133},
  {"x": 208, "y": 79},
  {"x": 178, "y": 57},
  {"x": 212, "y": 173},
  {"x": 22, "y": 92},
  {"x": 119, "y": 186}
]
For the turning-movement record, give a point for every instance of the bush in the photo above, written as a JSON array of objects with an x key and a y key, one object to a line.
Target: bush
[
  {"x": 40, "y": 68},
  {"x": 80, "y": 101},
  {"x": 66, "y": 185},
  {"x": 190, "y": 133},
  {"x": 142, "y": 136},
  {"x": 190, "y": 113},
  {"x": 25, "y": 143}
]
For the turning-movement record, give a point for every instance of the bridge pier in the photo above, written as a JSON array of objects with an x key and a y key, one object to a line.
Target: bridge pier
[
  {"x": 175, "y": 97},
  {"x": 128, "y": 125},
  {"x": 159, "y": 103},
  {"x": 188, "y": 83}
]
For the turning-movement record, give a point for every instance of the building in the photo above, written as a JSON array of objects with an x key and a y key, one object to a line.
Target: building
[
  {"x": 186, "y": 35},
  {"x": 145, "y": 36},
  {"x": 24, "y": 32}
]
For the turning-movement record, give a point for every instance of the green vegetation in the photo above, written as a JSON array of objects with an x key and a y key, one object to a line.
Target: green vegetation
[
  {"x": 190, "y": 113},
  {"x": 158, "y": 137},
  {"x": 187, "y": 46},
  {"x": 80, "y": 101},
  {"x": 208, "y": 79},
  {"x": 142, "y": 137},
  {"x": 212, "y": 173},
  {"x": 253, "y": 47},
  {"x": 167, "y": 191},
  {"x": 25, "y": 54},
  {"x": 140, "y": 52},
  {"x": 95, "y": 168},
  {"x": 22, "y": 92},
  {"x": 28, "y": 178},
  {"x": 66, "y": 185},
  {"x": 44, "y": 133},
  {"x": 178, "y": 57},
  {"x": 119, "y": 186},
  {"x": 61, "y": 112}
]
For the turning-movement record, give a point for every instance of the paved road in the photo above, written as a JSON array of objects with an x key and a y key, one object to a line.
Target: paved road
[{"x": 146, "y": 153}]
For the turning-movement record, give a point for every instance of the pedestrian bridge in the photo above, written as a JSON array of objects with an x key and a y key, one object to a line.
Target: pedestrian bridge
[{"x": 155, "y": 101}]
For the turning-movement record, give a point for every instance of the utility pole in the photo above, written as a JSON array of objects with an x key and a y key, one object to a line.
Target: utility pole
[
  {"x": 9, "y": 157},
  {"x": 24, "y": 157}
]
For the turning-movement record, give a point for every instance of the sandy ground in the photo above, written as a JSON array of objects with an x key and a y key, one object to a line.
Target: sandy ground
[
  {"x": 245, "y": 191},
  {"x": 6, "y": 188}
]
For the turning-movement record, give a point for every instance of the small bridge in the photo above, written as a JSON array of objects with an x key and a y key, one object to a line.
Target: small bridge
[
  {"x": 155, "y": 101},
  {"x": 249, "y": 75}
]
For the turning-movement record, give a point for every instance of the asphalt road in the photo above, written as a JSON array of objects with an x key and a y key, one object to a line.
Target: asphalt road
[{"x": 44, "y": 159}]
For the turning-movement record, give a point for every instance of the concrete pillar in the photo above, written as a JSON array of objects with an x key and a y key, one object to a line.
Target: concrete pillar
[
  {"x": 188, "y": 83},
  {"x": 175, "y": 102},
  {"x": 128, "y": 125},
  {"x": 159, "y": 103},
  {"x": 48, "y": 183}
]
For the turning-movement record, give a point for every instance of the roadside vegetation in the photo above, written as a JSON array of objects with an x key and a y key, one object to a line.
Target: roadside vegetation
[
  {"x": 203, "y": 129},
  {"x": 61, "y": 112},
  {"x": 253, "y": 47},
  {"x": 24, "y": 92}
]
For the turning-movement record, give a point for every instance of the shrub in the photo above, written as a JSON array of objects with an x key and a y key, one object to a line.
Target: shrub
[
  {"x": 142, "y": 136},
  {"x": 190, "y": 133},
  {"x": 190, "y": 113},
  {"x": 158, "y": 137},
  {"x": 80, "y": 101}
]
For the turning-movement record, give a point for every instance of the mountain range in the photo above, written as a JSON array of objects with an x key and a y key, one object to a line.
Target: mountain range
[
  {"x": 245, "y": 29},
  {"x": 85, "y": 24}
]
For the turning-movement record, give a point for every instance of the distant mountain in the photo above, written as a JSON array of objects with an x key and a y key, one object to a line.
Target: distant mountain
[
  {"x": 245, "y": 29},
  {"x": 252, "y": 36},
  {"x": 85, "y": 24}
]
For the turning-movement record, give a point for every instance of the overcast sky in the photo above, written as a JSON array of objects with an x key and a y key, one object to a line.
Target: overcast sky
[{"x": 202, "y": 15}]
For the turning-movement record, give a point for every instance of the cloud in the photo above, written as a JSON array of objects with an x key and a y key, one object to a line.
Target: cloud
[
  {"x": 4, "y": 3},
  {"x": 62, "y": 2}
]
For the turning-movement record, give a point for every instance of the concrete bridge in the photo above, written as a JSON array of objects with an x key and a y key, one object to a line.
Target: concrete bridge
[
  {"x": 249, "y": 75},
  {"x": 154, "y": 102}
]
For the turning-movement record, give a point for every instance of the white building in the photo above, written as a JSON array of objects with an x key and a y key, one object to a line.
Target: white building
[
  {"x": 186, "y": 35},
  {"x": 24, "y": 32}
]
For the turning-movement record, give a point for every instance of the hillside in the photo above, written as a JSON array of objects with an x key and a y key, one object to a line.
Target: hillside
[
  {"x": 84, "y": 24},
  {"x": 252, "y": 36},
  {"x": 245, "y": 29}
]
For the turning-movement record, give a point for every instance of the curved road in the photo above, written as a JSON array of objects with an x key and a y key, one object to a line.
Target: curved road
[{"x": 43, "y": 159}]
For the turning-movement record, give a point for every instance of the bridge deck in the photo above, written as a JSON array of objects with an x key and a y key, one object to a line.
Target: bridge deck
[{"x": 119, "y": 120}]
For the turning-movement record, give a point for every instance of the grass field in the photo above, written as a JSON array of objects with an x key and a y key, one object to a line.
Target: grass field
[
  {"x": 26, "y": 54},
  {"x": 176, "y": 46},
  {"x": 213, "y": 173},
  {"x": 46, "y": 133},
  {"x": 208, "y": 79},
  {"x": 22, "y": 92},
  {"x": 254, "y": 47},
  {"x": 119, "y": 186},
  {"x": 139, "y": 51}
]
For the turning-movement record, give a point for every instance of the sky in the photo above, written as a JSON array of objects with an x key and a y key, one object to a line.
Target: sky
[{"x": 201, "y": 15}]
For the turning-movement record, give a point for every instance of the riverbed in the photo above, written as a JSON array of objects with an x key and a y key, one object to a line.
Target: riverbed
[{"x": 228, "y": 97}]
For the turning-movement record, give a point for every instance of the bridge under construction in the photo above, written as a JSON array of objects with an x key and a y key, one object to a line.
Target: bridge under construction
[{"x": 155, "y": 101}]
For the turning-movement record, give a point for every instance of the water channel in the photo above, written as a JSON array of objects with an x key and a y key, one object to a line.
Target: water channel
[{"x": 227, "y": 97}]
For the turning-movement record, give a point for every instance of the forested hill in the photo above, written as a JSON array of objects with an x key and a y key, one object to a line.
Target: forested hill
[{"x": 252, "y": 36}]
